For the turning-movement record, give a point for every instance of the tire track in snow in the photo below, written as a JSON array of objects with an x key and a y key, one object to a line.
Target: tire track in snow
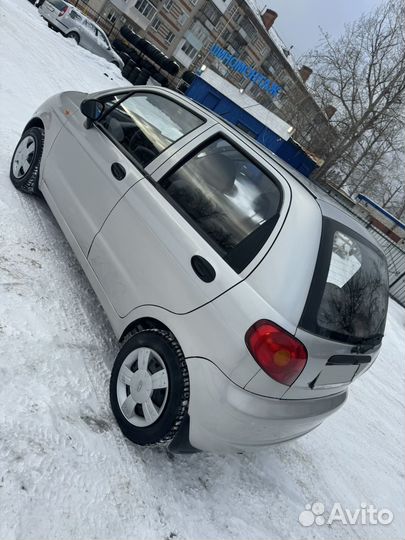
[{"x": 100, "y": 337}]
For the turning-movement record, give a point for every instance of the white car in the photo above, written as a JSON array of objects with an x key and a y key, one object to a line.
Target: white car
[
  {"x": 245, "y": 300},
  {"x": 73, "y": 24}
]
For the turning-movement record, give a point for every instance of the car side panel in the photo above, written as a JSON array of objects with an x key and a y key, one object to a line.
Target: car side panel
[
  {"x": 78, "y": 174},
  {"x": 54, "y": 113},
  {"x": 142, "y": 255},
  {"x": 86, "y": 37},
  {"x": 216, "y": 331}
]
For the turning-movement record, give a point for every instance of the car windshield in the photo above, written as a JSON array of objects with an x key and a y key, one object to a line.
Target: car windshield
[{"x": 349, "y": 295}]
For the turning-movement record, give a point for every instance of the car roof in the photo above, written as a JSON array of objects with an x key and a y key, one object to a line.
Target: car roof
[{"x": 310, "y": 187}]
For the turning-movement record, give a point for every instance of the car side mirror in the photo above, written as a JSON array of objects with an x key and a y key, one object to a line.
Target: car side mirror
[{"x": 92, "y": 110}]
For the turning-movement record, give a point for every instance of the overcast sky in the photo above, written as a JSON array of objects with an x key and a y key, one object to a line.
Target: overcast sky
[{"x": 298, "y": 21}]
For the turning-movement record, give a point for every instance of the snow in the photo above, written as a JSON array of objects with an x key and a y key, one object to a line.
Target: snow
[{"x": 65, "y": 469}]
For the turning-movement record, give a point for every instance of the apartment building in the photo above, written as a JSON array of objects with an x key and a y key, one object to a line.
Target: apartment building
[{"x": 227, "y": 35}]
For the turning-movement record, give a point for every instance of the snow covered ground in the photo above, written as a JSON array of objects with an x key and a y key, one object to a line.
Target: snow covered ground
[{"x": 65, "y": 470}]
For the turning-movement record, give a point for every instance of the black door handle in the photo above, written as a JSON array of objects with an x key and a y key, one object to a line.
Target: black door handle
[
  {"x": 118, "y": 171},
  {"x": 203, "y": 268}
]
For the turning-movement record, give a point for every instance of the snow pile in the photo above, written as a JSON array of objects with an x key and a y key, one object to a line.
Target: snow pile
[{"x": 65, "y": 470}]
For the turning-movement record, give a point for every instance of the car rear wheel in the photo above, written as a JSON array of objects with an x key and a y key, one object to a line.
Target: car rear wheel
[
  {"x": 149, "y": 387},
  {"x": 75, "y": 36},
  {"x": 24, "y": 169}
]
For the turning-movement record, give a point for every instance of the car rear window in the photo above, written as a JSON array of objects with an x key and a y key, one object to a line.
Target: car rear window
[
  {"x": 227, "y": 198},
  {"x": 348, "y": 298}
]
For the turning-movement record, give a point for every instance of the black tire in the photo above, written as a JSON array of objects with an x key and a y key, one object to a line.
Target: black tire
[
  {"x": 188, "y": 76},
  {"x": 132, "y": 77},
  {"x": 75, "y": 36},
  {"x": 162, "y": 431},
  {"x": 28, "y": 182}
]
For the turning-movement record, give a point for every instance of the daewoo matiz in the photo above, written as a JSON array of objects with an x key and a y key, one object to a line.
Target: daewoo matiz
[{"x": 246, "y": 301}]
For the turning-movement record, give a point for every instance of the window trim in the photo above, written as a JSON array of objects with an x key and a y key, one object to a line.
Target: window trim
[
  {"x": 153, "y": 10},
  {"x": 126, "y": 153},
  {"x": 188, "y": 45},
  {"x": 308, "y": 321},
  {"x": 156, "y": 23},
  {"x": 168, "y": 4},
  {"x": 170, "y": 34},
  {"x": 244, "y": 253}
]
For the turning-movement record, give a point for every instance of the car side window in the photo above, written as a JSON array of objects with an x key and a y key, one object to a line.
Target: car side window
[
  {"x": 59, "y": 4},
  {"x": 75, "y": 16},
  {"x": 147, "y": 124},
  {"x": 103, "y": 39},
  {"x": 90, "y": 27},
  {"x": 227, "y": 198}
]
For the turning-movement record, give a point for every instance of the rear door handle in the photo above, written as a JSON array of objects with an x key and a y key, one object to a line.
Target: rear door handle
[
  {"x": 203, "y": 268},
  {"x": 118, "y": 171}
]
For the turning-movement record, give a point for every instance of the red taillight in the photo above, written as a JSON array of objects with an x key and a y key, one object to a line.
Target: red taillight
[
  {"x": 63, "y": 11},
  {"x": 276, "y": 351}
]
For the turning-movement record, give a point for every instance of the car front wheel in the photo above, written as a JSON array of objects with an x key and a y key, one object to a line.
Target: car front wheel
[
  {"x": 149, "y": 387},
  {"x": 24, "y": 169}
]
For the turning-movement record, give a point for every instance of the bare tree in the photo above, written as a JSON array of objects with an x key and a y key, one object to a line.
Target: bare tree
[{"x": 362, "y": 74}]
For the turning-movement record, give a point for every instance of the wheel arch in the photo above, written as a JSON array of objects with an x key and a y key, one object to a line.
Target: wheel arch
[
  {"x": 144, "y": 323},
  {"x": 72, "y": 34},
  {"x": 34, "y": 122}
]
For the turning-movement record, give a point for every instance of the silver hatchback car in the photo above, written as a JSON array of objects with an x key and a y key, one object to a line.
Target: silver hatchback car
[
  {"x": 73, "y": 24},
  {"x": 245, "y": 300}
]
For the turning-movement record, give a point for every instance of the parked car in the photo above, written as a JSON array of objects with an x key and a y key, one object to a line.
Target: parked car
[
  {"x": 73, "y": 24},
  {"x": 245, "y": 300}
]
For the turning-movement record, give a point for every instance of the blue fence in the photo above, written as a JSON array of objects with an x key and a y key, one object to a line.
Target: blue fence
[{"x": 366, "y": 200}]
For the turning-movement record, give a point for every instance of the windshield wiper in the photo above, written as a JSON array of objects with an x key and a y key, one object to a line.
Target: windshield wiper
[{"x": 365, "y": 344}]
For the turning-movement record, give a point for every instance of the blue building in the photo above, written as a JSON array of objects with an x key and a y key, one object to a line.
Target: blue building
[{"x": 224, "y": 99}]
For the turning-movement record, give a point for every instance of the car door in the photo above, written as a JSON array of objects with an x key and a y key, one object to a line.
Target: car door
[
  {"x": 88, "y": 35},
  {"x": 89, "y": 170},
  {"x": 80, "y": 174},
  {"x": 182, "y": 237},
  {"x": 102, "y": 46}
]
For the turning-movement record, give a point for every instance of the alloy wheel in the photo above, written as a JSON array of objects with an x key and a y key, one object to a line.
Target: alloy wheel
[
  {"x": 142, "y": 387},
  {"x": 23, "y": 156}
]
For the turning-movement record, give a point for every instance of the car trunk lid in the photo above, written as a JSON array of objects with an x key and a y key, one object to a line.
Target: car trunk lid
[
  {"x": 330, "y": 368},
  {"x": 344, "y": 317}
]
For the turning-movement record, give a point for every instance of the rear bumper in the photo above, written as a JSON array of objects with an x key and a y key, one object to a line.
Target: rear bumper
[
  {"x": 52, "y": 19},
  {"x": 225, "y": 417}
]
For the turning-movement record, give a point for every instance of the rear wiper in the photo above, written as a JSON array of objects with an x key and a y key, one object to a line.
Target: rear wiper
[{"x": 365, "y": 344}]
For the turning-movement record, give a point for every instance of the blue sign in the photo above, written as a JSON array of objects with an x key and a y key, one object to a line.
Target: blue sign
[{"x": 235, "y": 64}]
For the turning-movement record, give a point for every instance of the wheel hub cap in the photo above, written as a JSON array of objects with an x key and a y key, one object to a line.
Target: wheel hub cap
[
  {"x": 23, "y": 156},
  {"x": 142, "y": 387}
]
